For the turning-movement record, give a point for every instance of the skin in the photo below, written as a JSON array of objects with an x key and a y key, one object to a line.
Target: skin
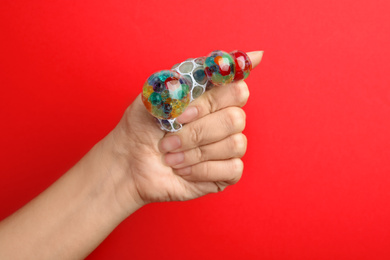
[{"x": 135, "y": 164}]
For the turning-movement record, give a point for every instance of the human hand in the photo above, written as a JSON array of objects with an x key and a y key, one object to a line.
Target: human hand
[
  {"x": 135, "y": 164},
  {"x": 203, "y": 157}
]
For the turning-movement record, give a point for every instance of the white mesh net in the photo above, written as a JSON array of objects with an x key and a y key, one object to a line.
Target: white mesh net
[{"x": 193, "y": 70}]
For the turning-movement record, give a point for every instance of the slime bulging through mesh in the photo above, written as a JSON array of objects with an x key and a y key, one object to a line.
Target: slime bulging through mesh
[{"x": 167, "y": 93}]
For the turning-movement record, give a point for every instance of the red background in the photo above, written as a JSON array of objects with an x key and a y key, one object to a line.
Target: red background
[{"x": 316, "y": 179}]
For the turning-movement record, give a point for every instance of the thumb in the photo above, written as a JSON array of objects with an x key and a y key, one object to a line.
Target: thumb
[
  {"x": 137, "y": 120},
  {"x": 255, "y": 57}
]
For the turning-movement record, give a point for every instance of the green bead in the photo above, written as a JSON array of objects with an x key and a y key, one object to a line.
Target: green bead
[
  {"x": 180, "y": 94},
  {"x": 155, "y": 99},
  {"x": 163, "y": 75},
  {"x": 199, "y": 76},
  {"x": 185, "y": 89}
]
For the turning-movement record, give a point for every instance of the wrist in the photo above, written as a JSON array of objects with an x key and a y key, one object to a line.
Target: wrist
[
  {"x": 108, "y": 169},
  {"x": 72, "y": 216}
]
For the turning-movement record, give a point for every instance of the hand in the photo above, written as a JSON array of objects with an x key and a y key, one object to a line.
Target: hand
[
  {"x": 203, "y": 157},
  {"x": 133, "y": 165}
]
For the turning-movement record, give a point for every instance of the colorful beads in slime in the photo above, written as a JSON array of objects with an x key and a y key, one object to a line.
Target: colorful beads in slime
[
  {"x": 243, "y": 65},
  {"x": 166, "y": 94},
  {"x": 219, "y": 67}
]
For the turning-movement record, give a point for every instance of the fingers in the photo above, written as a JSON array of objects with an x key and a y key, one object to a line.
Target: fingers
[
  {"x": 228, "y": 171},
  {"x": 235, "y": 94},
  {"x": 233, "y": 146},
  {"x": 212, "y": 128},
  {"x": 209, "y": 146}
]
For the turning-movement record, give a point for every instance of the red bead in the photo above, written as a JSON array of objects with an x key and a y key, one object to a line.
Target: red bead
[{"x": 243, "y": 65}]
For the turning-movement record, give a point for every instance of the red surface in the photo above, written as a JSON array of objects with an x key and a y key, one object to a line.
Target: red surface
[{"x": 317, "y": 173}]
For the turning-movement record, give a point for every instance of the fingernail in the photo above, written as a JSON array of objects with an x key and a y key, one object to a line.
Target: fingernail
[
  {"x": 189, "y": 114},
  {"x": 172, "y": 159},
  {"x": 184, "y": 171},
  {"x": 170, "y": 143}
]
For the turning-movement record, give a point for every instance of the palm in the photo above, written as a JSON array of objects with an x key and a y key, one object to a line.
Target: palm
[
  {"x": 207, "y": 152},
  {"x": 157, "y": 182},
  {"x": 153, "y": 180}
]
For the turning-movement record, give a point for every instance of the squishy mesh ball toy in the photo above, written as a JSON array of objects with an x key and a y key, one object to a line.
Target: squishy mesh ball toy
[{"x": 167, "y": 93}]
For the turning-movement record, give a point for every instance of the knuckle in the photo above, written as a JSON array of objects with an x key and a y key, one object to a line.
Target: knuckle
[
  {"x": 220, "y": 186},
  {"x": 196, "y": 135},
  {"x": 238, "y": 168},
  {"x": 241, "y": 93},
  {"x": 236, "y": 118},
  {"x": 199, "y": 154},
  {"x": 204, "y": 168},
  {"x": 239, "y": 143},
  {"x": 211, "y": 103}
]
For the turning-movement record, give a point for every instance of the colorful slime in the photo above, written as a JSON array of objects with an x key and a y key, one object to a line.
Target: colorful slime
[{"x": 167, "y": 93}]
